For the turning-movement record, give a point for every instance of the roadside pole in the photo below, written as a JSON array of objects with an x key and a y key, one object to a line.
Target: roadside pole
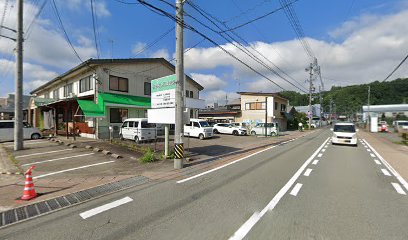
[
  {"x": 368, "y": 109},
  {"x": 18, "y": 102},
  {"x": 310, "y": 69},
  {"x": 178, "y": 131},
  {"x": 266, "y": 116},
  {"x": 166, "y": 140}
]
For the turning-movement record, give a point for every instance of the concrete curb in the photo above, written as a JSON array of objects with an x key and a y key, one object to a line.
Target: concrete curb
[
  {"x": 97, "y": 150},
  {"x": 116, "y": 156},
  {"x": 106, "y": 152}
]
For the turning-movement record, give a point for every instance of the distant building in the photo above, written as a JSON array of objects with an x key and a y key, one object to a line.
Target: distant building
[
  {"x": 231, "y": 112},
  {"x": 305, "y": 109},
  {"x": 7, "y": 107}
]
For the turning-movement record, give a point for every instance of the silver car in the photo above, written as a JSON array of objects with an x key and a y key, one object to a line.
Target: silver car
[{"x": 7, "y": 131}]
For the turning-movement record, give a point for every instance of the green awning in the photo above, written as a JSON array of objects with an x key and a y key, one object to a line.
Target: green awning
[
  {"x": 113, "y": 98},
  {"x": 91, "y": 109},
  {"x": 43, "y": 101}
]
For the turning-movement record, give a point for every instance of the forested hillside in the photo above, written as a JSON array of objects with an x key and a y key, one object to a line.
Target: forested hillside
[{"x": 349, "y": 99}]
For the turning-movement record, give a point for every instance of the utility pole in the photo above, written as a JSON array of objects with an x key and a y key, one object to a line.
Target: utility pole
[
  {"x": 368, "y": 108},
  {"x": 18, "y": 101},
  {"x": 310, "y": 70},
  {"x": 179, "y": 126},
  {"x": 266, "y": 116}
]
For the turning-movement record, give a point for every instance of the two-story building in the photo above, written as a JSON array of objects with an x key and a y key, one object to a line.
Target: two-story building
[
  {"x": 254, "y": 105},
  {"x": 100, "y": 93}
]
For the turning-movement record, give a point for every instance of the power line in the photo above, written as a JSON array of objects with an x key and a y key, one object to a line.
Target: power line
[
  {"x": 94, "y": 28},
  {"x": 155, "y": 41},
  {"x": 396, "y": 68},
  {"x": 28, "y": 31},
  {"x": 253, "y": 56}
]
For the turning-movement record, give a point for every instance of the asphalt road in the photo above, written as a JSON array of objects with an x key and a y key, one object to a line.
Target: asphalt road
[{"x": 346, "y": 195}]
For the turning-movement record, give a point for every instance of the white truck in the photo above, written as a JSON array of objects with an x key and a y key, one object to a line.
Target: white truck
[{"x": 198, "y": 128}]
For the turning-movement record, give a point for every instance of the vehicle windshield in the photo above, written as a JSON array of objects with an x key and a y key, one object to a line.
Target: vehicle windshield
[
  {"x": 344, "y": 128},
  {"x": 403, "y": 123},
  {"x": 204, "y": 124}
]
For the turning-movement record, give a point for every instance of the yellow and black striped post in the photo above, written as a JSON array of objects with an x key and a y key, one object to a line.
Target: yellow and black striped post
[{"x": 179, "y": 151}]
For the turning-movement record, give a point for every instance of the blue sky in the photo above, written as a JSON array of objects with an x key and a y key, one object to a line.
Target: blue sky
[{"x": 355, "y": 41}]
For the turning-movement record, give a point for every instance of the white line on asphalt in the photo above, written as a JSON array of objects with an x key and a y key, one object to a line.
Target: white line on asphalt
[
  {"x": 377, "y": 162},
  {"x": 315, "y": 162},
  {"x": 223, "y": 166},
  {"x": 372, "y": 155},
  {"x": 392, "y": 170},
  {"x": 31, "y": 143},
  {"x": 250, "y": 223},
  {"x": 58, "y": 159},
  {"x": 296, "y": 189},
  {"x": 398, "y": 188},
  {"x": 71, "y": 169},
  {"x": 385, "y": 172},
  {"x": 323, "y": 150},
  {"x": 368, "y": 150},
  {"x": 105, "y": 207},
  {"x": 307, "y": 172},
  {"x": 41, "y": 153},
  {"x": 320, "y": 155}
]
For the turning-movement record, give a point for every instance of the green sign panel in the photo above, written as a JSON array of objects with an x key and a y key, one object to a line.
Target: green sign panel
[{"x": 164, "y": 83}]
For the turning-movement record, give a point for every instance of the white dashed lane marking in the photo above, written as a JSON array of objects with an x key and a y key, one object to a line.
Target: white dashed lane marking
[
  {"x": 320, "y": 155},
  {"x": 377, "y": 162},
  {"x": 315, "y": 162},
  {"x": 307, "y": 172},
  {"x": 385, "y": 172},
  {"x": 398, "y": 188},
  {"x": 372, "y": 155},
  {"x": 296, "y": 189}
]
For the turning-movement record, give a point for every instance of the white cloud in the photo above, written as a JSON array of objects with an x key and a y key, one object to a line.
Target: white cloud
[
  {"x": 370, "y": 46},
  {"x": 219, "y": 96},
  {"x": 138, "y": 47},
  {"x": 100, "y": 7},
  {"x": 209, "y": 81},
  {"x": 164, "y": 53}
]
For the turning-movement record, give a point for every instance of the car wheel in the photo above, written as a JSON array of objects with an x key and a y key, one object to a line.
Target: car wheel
[
  {"x": 253, "y": 133},
  {"x": 35, "y": 136},
  {"x": 201, "y": 136},
  {"x": 137, "y": 140},
  {"x": 215, "y": 131},
  {"x": 235, "y": 133},
  {"x": 273, "y": 134}
]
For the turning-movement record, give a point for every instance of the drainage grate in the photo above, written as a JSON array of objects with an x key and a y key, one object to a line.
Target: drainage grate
[{"x": 27, "y": 212}]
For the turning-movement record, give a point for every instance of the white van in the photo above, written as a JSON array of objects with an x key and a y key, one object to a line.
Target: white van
[
  {"x": 198, "y": 128},
  {"x": 344, "y": 133},
  {"x": 138, "y": 129},
  {"x": 7, "y": 131}
]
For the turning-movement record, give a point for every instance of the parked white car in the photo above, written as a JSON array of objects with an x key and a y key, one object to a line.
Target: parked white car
[
  {"x": 241, "y": 125},
  {"x": 7, "y": 131},
  {"x": 344, "y": 133},
  {"x": 259, "y": 129},
  {"x": 228, "y": 128},
  {"x": 198, "y": 128},
  {"x": 400, "y": 126},
  {"x": 138, "y": 129}
]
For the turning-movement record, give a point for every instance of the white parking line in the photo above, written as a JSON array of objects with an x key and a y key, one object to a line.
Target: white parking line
[
  {"x": 307, "y": 172},
  {"x": 105, "y": 207},
  {"x": 296, "y": 189},
  {"x": 398, "y": 188},
  {"x": 320, "y": 155},
  {"x": 235, "y": 161},
  {"x": 41, "y": 153},
  {"x": 71, "y": 169},
  {"x": 315, "y": 162},
  {"x": 372, "y": 155},
  {"x": 250, "y": 223},
  {"x": 385, "y": 172},
  {"x": 377, "y": 162},
  {"x": 392, "y": 170},
  {"x": 30, "y": 143},
  {"x": 58, "y": 159}
]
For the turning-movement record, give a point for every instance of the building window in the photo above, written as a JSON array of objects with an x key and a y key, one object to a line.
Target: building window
[
  {"x": 191, "y": 94},
  {"x": 147, "y": 88},
  {"x": 276, "y": 105},
  {"x": 191, "y": 113},
  {"x": 67, "y": 90},
  {"x": 283, "y": 108},
  {"x": 187, "y": 93},
  {"x": 55, "y": 94},
  {"x": 85, "y": 84},
  {"x": 118, "y": 84},
  {"x": 118, "y": 115},
  {"x": 255, "y": 106}
]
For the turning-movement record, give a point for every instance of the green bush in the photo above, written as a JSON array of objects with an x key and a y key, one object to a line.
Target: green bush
[{"x": 148, "y": 156}]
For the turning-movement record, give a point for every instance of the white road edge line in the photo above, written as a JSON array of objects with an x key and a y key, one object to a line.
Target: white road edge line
[
  {"x": 385, "y": 172},
  {"x": 250, "y": 223},
  {"x": 71, "y": 169},
  {"x": 105, "y": 207},
  {"x": 377, "y": 162},
  {"x": 296, "y": 189},
  {"x": 235, "y": 161},
  {"x": 398, "y": 188},
  {"x": 34, "y": 154},
  {"x": 392, "y": 170},
  {"x": 57, "y": 159},
  {"x": 315, "y": 162},
  {"x": 307, "y": 172}
]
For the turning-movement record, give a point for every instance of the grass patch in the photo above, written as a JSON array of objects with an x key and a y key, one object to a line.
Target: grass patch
[{"x": 148, "y": 156}]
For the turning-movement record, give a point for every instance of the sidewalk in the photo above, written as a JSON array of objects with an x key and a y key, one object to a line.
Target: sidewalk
[{"x": 395, "y": 154}]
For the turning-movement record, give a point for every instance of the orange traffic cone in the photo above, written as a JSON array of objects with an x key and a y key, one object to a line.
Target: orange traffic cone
[{"x": 29, "y": 191}]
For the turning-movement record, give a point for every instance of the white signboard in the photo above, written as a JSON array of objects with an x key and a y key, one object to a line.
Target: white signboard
[
  {"x": 165, "y": 116},
  {"x": 270, "y": 107},
  {"x": 163, "y": 92}
]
